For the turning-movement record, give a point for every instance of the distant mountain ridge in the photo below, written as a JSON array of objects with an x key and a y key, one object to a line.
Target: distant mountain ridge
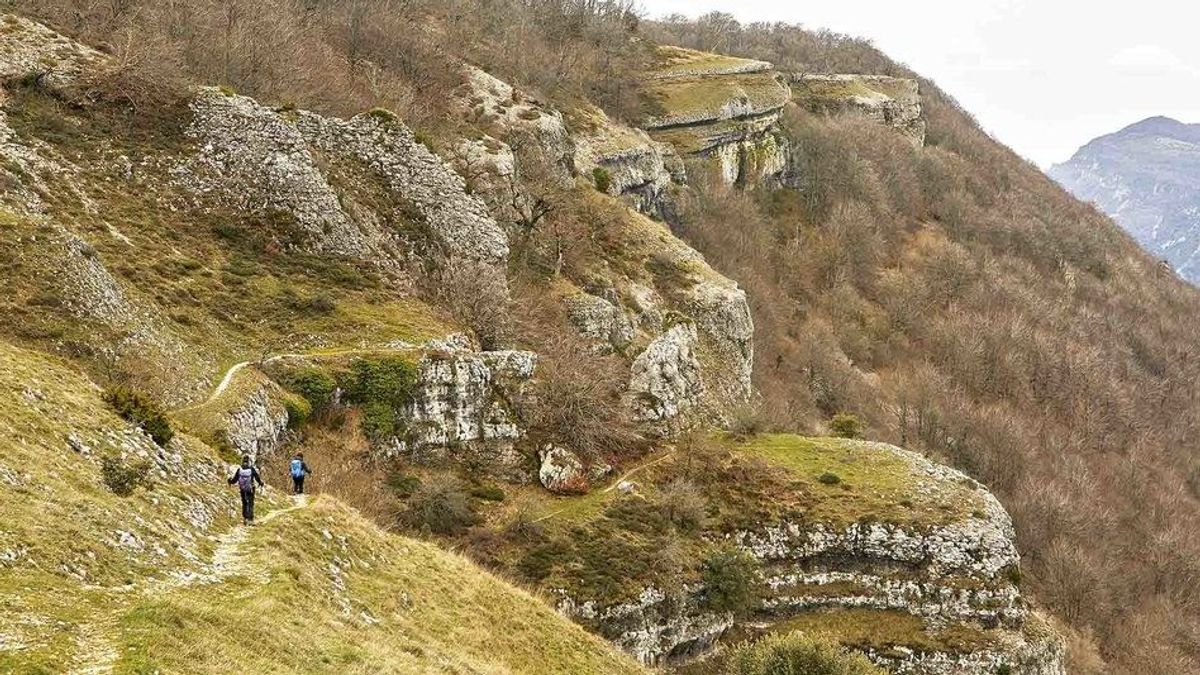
[{"x": 1147, "y": 177}]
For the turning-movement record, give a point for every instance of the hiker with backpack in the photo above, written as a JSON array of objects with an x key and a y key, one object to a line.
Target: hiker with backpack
[
  {"x": 245, "y": 478},
  {"x": 299, "y": 469}
]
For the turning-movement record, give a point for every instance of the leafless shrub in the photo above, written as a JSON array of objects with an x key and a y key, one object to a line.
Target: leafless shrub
[{"x": 476, "y": 295}]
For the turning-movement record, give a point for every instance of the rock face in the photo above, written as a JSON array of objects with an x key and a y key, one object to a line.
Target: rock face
[
  {"x": 727, "y": 110},
  {"x": 33, "y": 50},
  {"x": 665, "y": 382},
  {"x": 890, "y": 101},
  {"x": 606, "y": 324},
  {"x": 257, "y": 426},
  {"x": 490, "y": 102},
  {"x": 1147, "y": 178},
  {"x": 59, "y": 256},
  {"x": 719, "y": 108},
  {"x": 249, "y": 416},
  {"x": 465, "y": 411},
  {"x": 959, "y": 570},
  {"x": 654, "y": 620},
  {"x": 561, "y": 471},
  {"x": 635, "y": 166},
  {"x": 266, "y": 161}
]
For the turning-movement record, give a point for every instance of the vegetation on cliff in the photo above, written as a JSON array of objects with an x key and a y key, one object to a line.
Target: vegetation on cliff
[{"x": 951, "y": 296}]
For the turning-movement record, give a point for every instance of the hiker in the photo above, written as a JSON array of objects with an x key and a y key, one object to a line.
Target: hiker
[
  {"x": 299, "y": 470},
  {"x": 245, "y": 478}
]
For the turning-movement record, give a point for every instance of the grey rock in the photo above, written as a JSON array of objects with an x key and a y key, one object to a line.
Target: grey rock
[
  {"x": 665, "y": 380},
  {"x": 466, "y": 411},
  {"x": 257, "y": 426},
  {"x": 561, "y": 470},
  {"x": 266, "y": 161},
  {"x": 606, "y": 325}
]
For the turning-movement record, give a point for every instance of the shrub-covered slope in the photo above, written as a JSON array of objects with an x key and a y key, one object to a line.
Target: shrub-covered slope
[{"x": 967, "y": 307}]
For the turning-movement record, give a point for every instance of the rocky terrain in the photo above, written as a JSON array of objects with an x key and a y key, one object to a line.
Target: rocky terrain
[
  {"x": 868, "y": 531},
  {"x": 1145, "y": 177},
  {"x": 274, "y": 278}
]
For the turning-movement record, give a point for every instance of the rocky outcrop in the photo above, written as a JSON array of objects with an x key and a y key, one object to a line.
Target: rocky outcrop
[
  {"x": 1034, "y": 650},
  {"x": 516, "y": 117},
  {"x": 258, "y": 425},
  {"x": 955, "y": 570},
  {"x": 248, "y": 418},
  {"x": 31, "y": 50},
  {"x": 890, "y": 101},
  {"x": 722, "y": 313},
  {"x": 561, "y": 470},
  {"x": 627, "y": 163},
  {"x": 465, "y": 411},
  {"x": 607, "y": 325},
  {"x": 720, "y": 108},
  {"x": 665, "y": 381},
  {"x": 316, "y": 171},
  {"x": 655, "y": 619}
]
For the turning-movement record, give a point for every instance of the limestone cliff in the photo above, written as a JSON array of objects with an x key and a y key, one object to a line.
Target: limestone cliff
[
  {"x": 260, "y": 159},
  {"x": 890, "y": 101},
  {"x": 885, "y": 539},
  {"x": 719, "y": 108}
]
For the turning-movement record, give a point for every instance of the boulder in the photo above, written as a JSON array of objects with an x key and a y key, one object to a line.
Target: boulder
[
  {"x": 465, "y": 410},
  {"x": 606, "y": 325},
  {"x": 561, "y": 471},
  {"x": 665, "y": 381}
]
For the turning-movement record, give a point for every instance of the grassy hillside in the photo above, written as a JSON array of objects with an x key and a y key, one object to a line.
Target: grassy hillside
[
  {"x": 951, "y": 296},
  {"x": 330, "y": 592},
  {"x": 161, "y": 580}
]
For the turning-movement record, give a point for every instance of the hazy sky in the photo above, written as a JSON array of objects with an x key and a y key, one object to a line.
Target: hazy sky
[{"x": 1043, "y": 76}]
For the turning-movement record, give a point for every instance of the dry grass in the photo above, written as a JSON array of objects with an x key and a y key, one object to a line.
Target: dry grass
[{"x": 334, "y": 593}]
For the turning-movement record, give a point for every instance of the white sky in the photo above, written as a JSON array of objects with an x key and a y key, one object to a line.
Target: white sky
[{"x": 1043, "y": 76}]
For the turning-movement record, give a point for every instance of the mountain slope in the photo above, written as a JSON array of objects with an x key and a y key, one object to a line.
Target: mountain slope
[
  {"x": 1145, "y": 176},
  {"x": 866, "y": 250},
  {"x": 162, "y": 580},
  {"x": 968, "y": 307}
]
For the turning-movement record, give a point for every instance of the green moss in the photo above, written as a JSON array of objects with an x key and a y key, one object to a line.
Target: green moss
[
  {"x": 601, "y": 179},
  {"x": 693, "y": 99},
  {"x": 672, "y": 61},
  {"x": 797, "y": 654}
]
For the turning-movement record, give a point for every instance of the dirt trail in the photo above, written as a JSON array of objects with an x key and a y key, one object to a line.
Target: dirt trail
[
  {"x": 637, "y": 469},
  {"x": 237, "y": 367},
  {"x": 96, "y": 652},
  {"x": 617, "y": 483}
]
